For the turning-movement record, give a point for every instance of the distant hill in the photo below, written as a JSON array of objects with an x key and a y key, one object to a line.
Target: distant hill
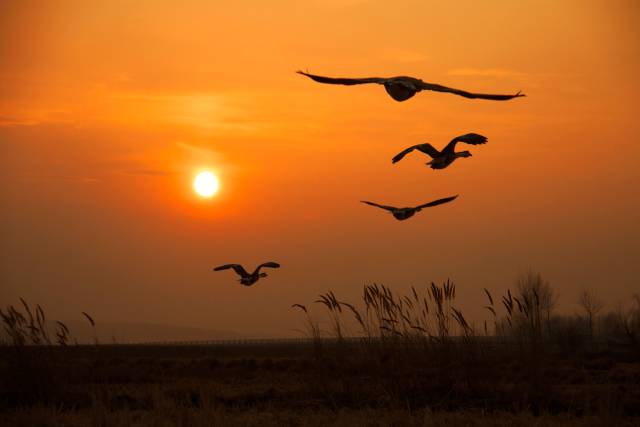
[
  {"x": 142, "y": 332},
  {"x": 127, "y": 333}
]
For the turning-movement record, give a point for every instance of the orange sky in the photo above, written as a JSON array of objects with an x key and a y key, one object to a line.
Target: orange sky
[{"x": 108, "y": 109}]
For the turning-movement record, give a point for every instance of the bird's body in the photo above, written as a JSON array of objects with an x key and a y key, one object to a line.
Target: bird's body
[
  {"x": 445, "y": 160},
  {"x": 401, "y": 88},
  {"x": 442, "y": 159},
  {"x": 405, "y": 213},
  {"x": 247, "y": 279}
]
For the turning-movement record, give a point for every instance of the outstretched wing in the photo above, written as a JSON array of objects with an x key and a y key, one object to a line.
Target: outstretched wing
[
  {"x": 439, "y": 88},
  {"x": 269, "y": 264},
  {"x": 343, "y": 81},
  {"x": 426, "y": 148},
  {"x": 437, "y": 202},
  {"x": 468, "y": 138},
  {"x": 389, "y": 208},
  {"x": 236, "y": 267}
]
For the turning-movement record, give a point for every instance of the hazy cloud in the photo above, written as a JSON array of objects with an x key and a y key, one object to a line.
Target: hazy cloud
[
  {"x": 135, "y": 164},
  {"x": 17, "y": 121},
  {"x": 34, "y": 118},
  {"x": 403, "y": 55},
  {"x": 147, "y": 172},
  {"x": 485, "y": 72},
  {"x": 75, "y": 178},
  {"x": 205, "y": 111},
  {"x": 340, "y": 3},
  {"x": 198, "y": 150}
]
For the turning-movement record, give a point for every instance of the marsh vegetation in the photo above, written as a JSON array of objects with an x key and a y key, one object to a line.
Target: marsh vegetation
[{"x": 397, "y": 359}]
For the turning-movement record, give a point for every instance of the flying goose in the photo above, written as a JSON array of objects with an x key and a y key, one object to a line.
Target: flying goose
[
  {"x": 246, "y": 278},
  {"x": 405, "y": 213},
  {"x": 402, "y": 88},
  {"x": 442, "y": 159}
]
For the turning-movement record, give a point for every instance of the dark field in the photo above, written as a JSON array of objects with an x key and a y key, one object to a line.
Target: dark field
[
  {"x": 416, "y": 361},
  {"x": 368, "y": 382}
]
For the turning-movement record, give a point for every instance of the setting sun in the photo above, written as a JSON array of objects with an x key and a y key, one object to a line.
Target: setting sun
[{"x": 206, "y": 184}]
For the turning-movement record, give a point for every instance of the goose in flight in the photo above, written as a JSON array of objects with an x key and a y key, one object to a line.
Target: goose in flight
[
  {"x": 405, "y": 213},
  {"x": 246, "y": 278},
  {"x": 442, "y": 159},
  {"x": 402, "y": 88}
]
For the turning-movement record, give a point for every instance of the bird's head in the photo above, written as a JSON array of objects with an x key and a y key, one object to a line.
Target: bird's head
[{"x": 464, "y": 154}]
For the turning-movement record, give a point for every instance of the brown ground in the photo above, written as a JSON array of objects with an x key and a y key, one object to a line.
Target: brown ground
[{"x": 293, "y": 384}]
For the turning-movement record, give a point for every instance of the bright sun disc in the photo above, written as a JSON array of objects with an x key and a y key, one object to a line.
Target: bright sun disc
[{"x": 206, "y": 184}]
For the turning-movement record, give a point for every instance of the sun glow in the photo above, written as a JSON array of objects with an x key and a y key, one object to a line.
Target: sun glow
[{"x": 206, "y": 184}]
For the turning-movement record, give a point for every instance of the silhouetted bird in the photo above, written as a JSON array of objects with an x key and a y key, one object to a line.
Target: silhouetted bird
[
  {"x": 402, "y": 88},
  {"x": 404, "y": 213},
  {"x": 442, "y": 159},
  {"x": 246, "y": 278}
]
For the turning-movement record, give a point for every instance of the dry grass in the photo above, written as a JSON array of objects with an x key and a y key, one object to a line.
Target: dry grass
[
  {"x": 177, "y": 415},
  {"x": 421, "y": 316}
]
